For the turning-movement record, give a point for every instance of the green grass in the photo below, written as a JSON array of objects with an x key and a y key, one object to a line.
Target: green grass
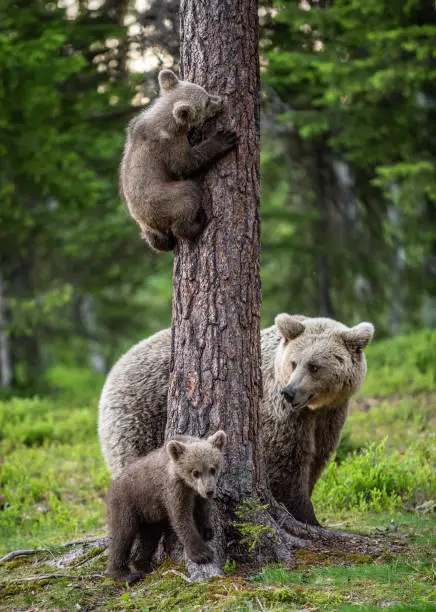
[
  {"x": 403, "y": 365},
  {"x": 53, "y": 480}
]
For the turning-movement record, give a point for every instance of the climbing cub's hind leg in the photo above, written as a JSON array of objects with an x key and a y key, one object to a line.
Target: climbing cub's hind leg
[
  {"x": 188, "y": 217},
  {"x": 161, "y": 242}
]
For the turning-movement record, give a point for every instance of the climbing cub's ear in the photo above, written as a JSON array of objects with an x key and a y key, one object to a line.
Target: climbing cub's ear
[
  {"x": 184, "y": 113},
  {"x": 218, "y": 440},
  {"x": 175, "y": 449},
  {"x": 358, "y": 336},
  {"x": 167, "y": 80},
  {"x": 290, "y": 326}
]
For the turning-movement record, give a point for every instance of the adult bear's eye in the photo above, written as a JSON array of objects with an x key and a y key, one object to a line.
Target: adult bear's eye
[
  {"x": 313, "y": 368},
  {"x": 196, "y": 474}
]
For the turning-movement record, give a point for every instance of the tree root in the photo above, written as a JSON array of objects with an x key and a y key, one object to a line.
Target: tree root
[
  {"x": 321, "y": 538},
  {"x": 97, "y": 542},
  {"x": 285, "y": 536}
]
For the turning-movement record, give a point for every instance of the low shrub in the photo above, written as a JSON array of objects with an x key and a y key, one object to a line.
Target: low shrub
[{"x": 374, "y": 480}]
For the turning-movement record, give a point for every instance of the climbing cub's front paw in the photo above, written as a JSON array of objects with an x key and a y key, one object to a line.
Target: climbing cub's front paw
[
  {"x": 225, "y": 138},
  {"x": 201, "y": 555}
]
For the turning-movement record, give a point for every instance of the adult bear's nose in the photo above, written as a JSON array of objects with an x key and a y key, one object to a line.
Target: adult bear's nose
[{"x": 289, "y": 393}]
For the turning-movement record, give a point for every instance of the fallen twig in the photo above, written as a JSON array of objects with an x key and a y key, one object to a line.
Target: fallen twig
[
  {"x": 178, "y": 574},
  {"x": 49, "y": 577},
  {"x": 21, "y": 553},
  {"x": 101, "y": 541},
  {"x": 260, "y": 604}
]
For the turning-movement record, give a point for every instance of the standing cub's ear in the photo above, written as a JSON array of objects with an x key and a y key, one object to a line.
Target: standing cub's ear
[
  {"x": 218, "y": 440},
  {"x": 290, "y": 326},
  {"x": 167, "y": 80},
  {"x": 183, "y": 113},
  {"x": 358, "y": 336},
  {"x": 175, "y": 449}
]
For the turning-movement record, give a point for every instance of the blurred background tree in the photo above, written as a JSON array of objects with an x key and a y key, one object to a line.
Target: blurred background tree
[{"x": 348, "y": 172}]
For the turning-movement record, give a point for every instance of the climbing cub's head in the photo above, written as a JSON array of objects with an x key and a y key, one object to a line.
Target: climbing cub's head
[
  {"x": 198, "y": 462},
  {"x": 189, "y": 103},
  {"x": 319, "y": 361}
]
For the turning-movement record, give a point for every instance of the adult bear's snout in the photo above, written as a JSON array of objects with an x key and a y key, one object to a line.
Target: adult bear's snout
[{"x": 289, "y": 393}]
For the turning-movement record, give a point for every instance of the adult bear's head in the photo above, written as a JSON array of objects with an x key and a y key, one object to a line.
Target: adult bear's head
[{"x": 319, "y": 361}]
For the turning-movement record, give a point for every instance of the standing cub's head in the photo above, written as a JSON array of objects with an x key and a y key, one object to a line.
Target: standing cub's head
[
  {"x": 188, "y": 102},
  {"x": 198, "y": 462},
  {"x": 320, "y": 362}
]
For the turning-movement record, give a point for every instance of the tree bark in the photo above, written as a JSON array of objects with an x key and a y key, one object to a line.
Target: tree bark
[
  {"x": 215, "y": 380},
  {"x": 215, "y": 372},
  {"x": 5, "y": 352}
]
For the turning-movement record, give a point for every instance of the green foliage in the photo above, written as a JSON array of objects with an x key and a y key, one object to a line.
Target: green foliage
[
  {"x": 401, "y": 364},
  {"x": 351, "y": 95},
  {"x": 375, "y": 481},
  {"x": 54, "y": 482},
  {"x": 71, "y": 259},
  {"x": 76, "y": 386},
  {"x": 250, "y": 525}
]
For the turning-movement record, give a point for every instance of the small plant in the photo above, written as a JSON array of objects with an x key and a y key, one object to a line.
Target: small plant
[
  {"x": 230, "y": 567},
  {"x": 250, "y": 527}
]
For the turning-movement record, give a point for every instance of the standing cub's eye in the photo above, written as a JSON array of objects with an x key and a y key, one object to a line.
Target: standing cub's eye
[
  {"x": 196, "y": 474},
  {"x": 313, "y": 369},
  {"x": 212, "y": 471},
  {"x": 293, "y": 364}
]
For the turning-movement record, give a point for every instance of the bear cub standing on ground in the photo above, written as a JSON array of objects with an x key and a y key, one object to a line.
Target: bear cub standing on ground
[
  {"x": 157, "y": 152},
  {"x": 168, "y": 488}
]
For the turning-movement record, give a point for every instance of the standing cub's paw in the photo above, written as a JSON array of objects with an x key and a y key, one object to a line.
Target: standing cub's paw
[
  {"x": 201, "y": 555},
  {"x": 225, "y": 138},
  {"x": 130, "y": 577}
]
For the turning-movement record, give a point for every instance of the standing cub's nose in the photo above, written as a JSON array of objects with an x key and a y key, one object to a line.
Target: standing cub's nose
[
  {"x": 288, "y": 393},
  {"x": 209, "y": 493}
]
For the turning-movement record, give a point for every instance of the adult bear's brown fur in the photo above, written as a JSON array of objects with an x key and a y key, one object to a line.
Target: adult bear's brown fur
[
  {"x": 311, "y": 367},
  {"x": 168, "y": 488},
  {"x": 157, "y": 152}
]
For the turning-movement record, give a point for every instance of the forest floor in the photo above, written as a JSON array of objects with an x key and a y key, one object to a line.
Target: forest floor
[{"x": 382, "y": 483}]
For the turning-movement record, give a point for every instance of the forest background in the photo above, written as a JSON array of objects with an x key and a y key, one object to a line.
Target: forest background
[
  {"x": 348, "y": 151},
  {"x": 348, "y": 230}
]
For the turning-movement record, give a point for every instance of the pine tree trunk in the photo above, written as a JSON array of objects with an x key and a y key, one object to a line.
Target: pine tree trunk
[
  {"x": 215, "y": 378},
  {"x": 5, "y": 352}
]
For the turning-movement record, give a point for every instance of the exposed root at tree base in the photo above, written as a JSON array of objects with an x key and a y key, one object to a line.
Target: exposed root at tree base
[{"x": 286, "y": 536}]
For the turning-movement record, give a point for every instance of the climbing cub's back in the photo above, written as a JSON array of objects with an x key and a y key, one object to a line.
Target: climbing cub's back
[
  {"x": 157, "y": 153},
  {"x": 170, "y": 488}
]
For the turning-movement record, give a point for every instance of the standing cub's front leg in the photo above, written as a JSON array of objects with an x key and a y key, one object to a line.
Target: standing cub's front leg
[
  {"x": 202, "y": 518},
  {"x": 181, "y": 513}
]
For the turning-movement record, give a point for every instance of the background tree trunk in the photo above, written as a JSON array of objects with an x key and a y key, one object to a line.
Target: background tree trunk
[
  {"x": 5, "y": 352},
  {"x": 215, "y": 372}
]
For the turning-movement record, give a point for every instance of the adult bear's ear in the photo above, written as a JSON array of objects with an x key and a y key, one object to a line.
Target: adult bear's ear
[
  {"x": 290, "y": 326},
  {"x": 218, "y": 440},
  {"x": 358, "y": 336},
  {"x": 167, "y": 80},
  {"x": 175, "y": 449},
  {"x": 184, "y": 113}
]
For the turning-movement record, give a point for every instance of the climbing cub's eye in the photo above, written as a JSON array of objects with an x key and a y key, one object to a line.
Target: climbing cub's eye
[
  {"x": 313, "y": 368},
  {"x": 339, "y": 358},
  {"x": 212, "y": 471},
  {"x": 293, "y": 364},
  {"x": 196, "y": 474}
]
